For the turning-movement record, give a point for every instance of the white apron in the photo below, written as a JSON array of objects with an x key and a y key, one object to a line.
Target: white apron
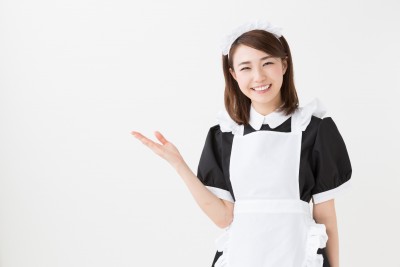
[{"x": 272, "y": 226}]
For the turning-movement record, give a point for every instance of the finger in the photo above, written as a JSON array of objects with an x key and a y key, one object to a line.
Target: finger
[
  {"x": 137, "y": 134},
  {"x": 134, "y": 133},
  {"x": 145, "y": 140},
  {"x": 157, "y": 148},
  {"x": 160, "y": 137}
]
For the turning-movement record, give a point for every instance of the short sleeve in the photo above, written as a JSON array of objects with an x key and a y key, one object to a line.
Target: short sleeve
[
  {"x": 331, "y": 163},
  {"x": 210, "y": 171}
]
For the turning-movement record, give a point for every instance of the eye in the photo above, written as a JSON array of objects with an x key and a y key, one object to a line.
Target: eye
[{"x": 266, "y": 63}]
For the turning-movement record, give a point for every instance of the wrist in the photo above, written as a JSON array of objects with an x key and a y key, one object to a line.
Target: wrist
[{"x": 179, "y": 166}]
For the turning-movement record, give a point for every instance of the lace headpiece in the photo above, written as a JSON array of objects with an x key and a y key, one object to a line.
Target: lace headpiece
[{"x": 257, "y": 25}]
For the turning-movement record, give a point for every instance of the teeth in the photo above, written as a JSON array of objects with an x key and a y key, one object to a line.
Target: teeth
[{"x": 262, "y": 87}]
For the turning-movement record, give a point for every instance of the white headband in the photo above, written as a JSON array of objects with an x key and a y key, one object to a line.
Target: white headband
[{"x": 257, "y": 25}]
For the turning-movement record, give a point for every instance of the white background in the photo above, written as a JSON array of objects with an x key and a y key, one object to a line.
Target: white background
[{"x": 77, "y": 76}]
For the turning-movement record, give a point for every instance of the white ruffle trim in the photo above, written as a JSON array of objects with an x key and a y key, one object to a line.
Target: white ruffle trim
[
  {"x": 222, "y": 245},
  {"x": 227, "y": 124},
  {"x": 302, "y": 116},
  {"x": 316, "y": 238}
]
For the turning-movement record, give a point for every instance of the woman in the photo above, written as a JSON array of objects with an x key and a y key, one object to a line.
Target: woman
[{"x": 265, "y": 160}]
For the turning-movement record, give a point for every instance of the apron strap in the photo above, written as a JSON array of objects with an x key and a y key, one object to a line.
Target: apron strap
[
  {"x": 302, "y": 116},
  {"x": 227, "y": 124}
]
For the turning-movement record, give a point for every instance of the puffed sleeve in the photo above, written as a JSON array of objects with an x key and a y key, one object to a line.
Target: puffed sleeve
[
  {"x": 209, "y": 170},
  {"x": 332, "y": 167}
]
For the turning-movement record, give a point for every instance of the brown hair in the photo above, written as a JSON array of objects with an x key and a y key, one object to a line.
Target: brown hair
[{"x": 236, "y": 103}]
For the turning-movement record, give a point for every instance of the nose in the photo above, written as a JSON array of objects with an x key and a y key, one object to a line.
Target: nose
[{"x": 259, "y": 75}]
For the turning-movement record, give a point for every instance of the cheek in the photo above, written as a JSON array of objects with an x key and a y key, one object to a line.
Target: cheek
[
  {"x": 243, "y": 80},
  {"x": 276, "y": 72},
  {"x": 243, "y": 84}
]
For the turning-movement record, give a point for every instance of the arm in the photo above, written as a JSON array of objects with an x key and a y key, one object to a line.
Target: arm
[
  {"x": 218, "y": 210},
  {"x": 325, "y": 213}
]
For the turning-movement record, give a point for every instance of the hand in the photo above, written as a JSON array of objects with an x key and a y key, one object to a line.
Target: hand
[{"x": 166, "y": 150}]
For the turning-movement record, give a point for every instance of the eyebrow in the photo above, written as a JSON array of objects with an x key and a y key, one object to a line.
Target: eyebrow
[{"x": 248, "y": 62}]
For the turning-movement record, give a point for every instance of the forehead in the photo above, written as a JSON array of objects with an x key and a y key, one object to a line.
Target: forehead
[{"x": 248, "y": 54}]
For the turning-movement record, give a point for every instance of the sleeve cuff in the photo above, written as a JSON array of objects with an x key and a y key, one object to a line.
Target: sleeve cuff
[
  {"x": 333, "y": 193},
  {"x": 221, "y": 193}
]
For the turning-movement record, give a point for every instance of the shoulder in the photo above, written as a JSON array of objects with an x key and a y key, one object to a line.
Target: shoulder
[
  {"x": 214, "y": 132},
  {"x": 321, "y": 127},
  {"x": 215, "y": 129},
  {"x": 328, "y": 131},
  {"x": 313, "y": 126},
  {"x": 316, "y": 123},
  {"x": 322, "y": 124},
  {"x": 218, "y": 133}
]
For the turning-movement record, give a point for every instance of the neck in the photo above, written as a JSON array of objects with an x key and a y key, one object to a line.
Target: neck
[{"x": 267, "y": 108}]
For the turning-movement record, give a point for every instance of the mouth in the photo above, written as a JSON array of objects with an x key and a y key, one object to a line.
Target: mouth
[{"x": 261, "y": 88}]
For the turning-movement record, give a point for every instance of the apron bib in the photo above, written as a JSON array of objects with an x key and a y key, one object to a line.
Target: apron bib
[{"x": 272, "y": 226}]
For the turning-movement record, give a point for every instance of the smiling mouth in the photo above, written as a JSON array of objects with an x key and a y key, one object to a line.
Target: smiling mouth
[{"x": 261, "y": 88}]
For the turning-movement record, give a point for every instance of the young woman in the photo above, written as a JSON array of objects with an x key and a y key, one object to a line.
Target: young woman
[{"x": 265, "y": 160}]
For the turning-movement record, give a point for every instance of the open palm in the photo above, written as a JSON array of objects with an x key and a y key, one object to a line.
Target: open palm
[{"x": 166, "y": 149}]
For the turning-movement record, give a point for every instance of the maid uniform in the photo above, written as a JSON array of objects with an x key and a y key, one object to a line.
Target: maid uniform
[{"x": 270, "y": 169}]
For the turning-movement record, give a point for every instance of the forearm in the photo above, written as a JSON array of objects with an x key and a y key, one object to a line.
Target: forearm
[
  {"x": 332, "y": 246},
  {"x": 213, "y": 206},
  {"x": 327, "y": 216}
]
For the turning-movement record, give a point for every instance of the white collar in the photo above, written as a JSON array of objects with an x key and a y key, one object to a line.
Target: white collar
[{"x": 273, "y": 119}]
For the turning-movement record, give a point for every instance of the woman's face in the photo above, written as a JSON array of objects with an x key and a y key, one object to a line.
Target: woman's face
[{"x": 253, "y": 68}]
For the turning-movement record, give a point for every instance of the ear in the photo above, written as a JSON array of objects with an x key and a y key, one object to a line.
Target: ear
[
  {"x": 232, "y": 73},
  {"x": 284, "y": 65}
]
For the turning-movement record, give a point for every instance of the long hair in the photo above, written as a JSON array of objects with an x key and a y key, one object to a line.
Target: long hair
[{"x": 236, "y": 103}]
